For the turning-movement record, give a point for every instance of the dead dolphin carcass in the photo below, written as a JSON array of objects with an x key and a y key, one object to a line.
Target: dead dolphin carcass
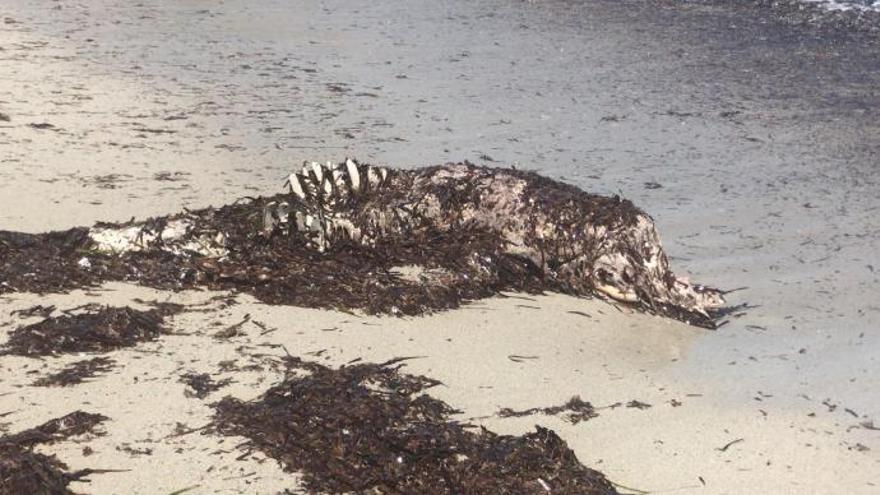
[{"x": 474, "y": 228}]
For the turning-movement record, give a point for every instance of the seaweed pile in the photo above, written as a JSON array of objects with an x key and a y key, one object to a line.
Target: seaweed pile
[
  {"x": 43, "y": 262},
  {"x": 96, "y": 329},
  {"x": 368, "y": 428},
  {"x": 76, "y": 373},
  {"x": 281, "y": 270},
  {"x": 336, "y": 239},
  {"x": 24, "y": 471}
]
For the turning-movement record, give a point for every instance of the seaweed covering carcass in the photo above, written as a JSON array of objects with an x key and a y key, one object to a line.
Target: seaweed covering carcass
[{"x": 351, "y": 235}]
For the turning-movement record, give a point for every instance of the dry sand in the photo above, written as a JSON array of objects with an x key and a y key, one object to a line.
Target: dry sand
[
  {"x": 608, "y": 358},
  {"x": 762, "y": 138}
]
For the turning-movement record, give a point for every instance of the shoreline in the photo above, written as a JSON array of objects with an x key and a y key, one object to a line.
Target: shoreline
[{"x": 816, "y": 16}]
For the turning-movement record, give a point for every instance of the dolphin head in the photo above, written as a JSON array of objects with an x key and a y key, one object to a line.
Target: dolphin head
[{"x": 632, "y": 267}]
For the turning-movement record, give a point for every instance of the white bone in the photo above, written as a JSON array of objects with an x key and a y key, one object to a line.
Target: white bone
[
  {"x": 372, "y": 178},
  {"x": 300, "y": 221},
  {"x": 319, "y": 171},
  {"x": 283, "y": 211},
  {"x": 353, "y": 174},
  {"x": 268, "y": 218},
  {"x": 328, "y": 187},
  {"x": 295, "y": 186},
  {"x": 617, "y": 294}
]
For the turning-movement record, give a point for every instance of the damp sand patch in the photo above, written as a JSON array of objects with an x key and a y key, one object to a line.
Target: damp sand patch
[{"x": 369, "y": 428}]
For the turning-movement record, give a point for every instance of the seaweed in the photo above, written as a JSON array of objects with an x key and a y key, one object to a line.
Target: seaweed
[
  {"x": 37, "y": 310},
  {"x": 97, "y": 329},
  {"x": 24, "y": 471},
  {"x": 71, "y": 425},
  {"x": 576, "y": 411},
  {"x": 368, "y": 428},
  {"x": 201, "y": 384},
  {"x": 43, "y": 262},
  {"x": 279, "y": 271},
  {"x": 76, "y": 373}
]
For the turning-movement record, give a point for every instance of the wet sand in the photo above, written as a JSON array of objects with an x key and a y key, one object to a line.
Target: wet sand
[{"x": 752, "y": 143}]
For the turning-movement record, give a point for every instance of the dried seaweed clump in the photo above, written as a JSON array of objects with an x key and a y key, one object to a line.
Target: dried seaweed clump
[
  {"x": 576, "y": 410},
  {"x": 98, "y": 329},
  {"x": 368, "y": 429},
  {"x": 43, "y": 262},
  {"x": 76, "y": 373},
  {"x": 54, "y": 430},
  {"x": 24, "y": 471},
  {"x": 199, "y": 385}
]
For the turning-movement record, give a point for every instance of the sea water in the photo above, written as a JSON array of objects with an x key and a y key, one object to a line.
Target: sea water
[{"x": 847, "y": 5}]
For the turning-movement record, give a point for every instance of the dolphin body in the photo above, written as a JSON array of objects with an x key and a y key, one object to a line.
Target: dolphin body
[{"x": 576, "y": 242}]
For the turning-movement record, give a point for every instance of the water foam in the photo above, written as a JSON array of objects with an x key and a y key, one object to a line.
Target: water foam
[{"x": 844, "y": 5}]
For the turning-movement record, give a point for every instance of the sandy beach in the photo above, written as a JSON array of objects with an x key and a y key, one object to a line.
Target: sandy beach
[{"x": 752, "y": 142}]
